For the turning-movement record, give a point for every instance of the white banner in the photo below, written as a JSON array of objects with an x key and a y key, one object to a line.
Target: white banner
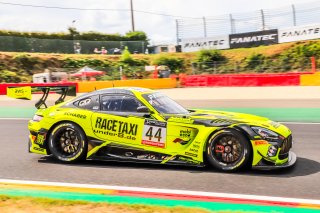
[
  {"x": 196, "y": 44},
  {"x": 299, "y": 33}
]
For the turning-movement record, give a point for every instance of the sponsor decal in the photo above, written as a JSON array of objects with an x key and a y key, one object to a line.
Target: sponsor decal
[
  {"x": 260, "y": 142},
  {"x": 195, "y": 146},
  {"x": 84, "y": 102},
  {"x": 76, "y": 115},
  {"x": 196, "y": 44},
  {"x": 253, "y": 39},
  {"x": 185, "y": 133},
  {"x": 154, "y": 133},
  {"x": 181, "y": 141},
  {"x": 38, "y": 149},
  {"x": 40, "y": 139},
  {"x": 191, "y": 154},
  {"x": 117, "y": 128},
  {"x": 181, "y": 120},
  {"x": 299, "y": 33}
]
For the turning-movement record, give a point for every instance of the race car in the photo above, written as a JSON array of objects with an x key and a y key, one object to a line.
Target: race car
[{"x": 142, "y": 125}]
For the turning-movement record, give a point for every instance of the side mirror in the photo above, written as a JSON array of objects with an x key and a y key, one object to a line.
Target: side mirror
[{"x": 143, "y": 109}]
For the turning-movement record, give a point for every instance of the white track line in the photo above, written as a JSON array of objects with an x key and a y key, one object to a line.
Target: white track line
[
  {"x": 299, "y": 123},
  {"x": 166, "y": 191}
]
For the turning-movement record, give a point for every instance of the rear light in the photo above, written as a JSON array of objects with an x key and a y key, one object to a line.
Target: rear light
[{"x": 37, "y": 118}]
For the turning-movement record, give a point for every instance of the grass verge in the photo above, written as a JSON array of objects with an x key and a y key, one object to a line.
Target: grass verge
[{"x": 44, "y": 205}]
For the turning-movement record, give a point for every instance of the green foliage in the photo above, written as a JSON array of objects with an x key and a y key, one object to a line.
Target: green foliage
[
  {"x": 26, "y": 61},
  {"x": 209, "y": 56},
  {"x": 127, "y": 59},
  {"x": 176, "y": 65},
  {"x": 73, "y": 33},
  {"x": 136, "y": 36},
  {"x": 255, "y": 62},
  {"x": 9, "y": 76},
  {"x": 79, "y": 63}
]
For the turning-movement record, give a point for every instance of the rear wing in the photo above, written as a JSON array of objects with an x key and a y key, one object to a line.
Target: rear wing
[{"x": 25, "y": 92}]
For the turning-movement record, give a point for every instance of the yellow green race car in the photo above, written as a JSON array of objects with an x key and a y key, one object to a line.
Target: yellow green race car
[{"x": 142, "y": 125}]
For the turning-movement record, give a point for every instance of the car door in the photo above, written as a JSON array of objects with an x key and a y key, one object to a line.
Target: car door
[{"x": 118, "y": 121}]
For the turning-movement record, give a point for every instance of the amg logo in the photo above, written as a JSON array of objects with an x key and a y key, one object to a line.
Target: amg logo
[
  {"x": 248, "y": 39},
  {"x": 204, "y": 44}
]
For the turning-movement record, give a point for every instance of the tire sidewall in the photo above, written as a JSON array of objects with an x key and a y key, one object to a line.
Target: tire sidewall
[
  {"x": 83, "y": 144},
  {"x": 245, "y": 155}
]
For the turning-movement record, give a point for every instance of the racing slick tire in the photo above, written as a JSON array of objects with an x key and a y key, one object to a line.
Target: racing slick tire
[
  {"x": 228, "y": 150},
  {"x": 68, "y": 143}
]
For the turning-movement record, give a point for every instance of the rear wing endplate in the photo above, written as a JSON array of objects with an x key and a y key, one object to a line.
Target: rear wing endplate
[{"x": 26, "y": 91}]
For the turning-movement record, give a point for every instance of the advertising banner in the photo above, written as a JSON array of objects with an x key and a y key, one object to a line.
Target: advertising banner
[
  {"x": 196, "y": 44},
  {"x": 299, "y": 33},
  {"x": 253, "y": 39}
]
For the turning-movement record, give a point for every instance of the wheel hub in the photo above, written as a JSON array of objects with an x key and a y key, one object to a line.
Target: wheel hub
[{"x": 227, "y": 149}]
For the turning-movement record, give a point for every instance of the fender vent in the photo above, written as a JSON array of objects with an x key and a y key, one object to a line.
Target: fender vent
[
  {"x": 224, "y": 121},
  {"x": 285, "y": 147}
]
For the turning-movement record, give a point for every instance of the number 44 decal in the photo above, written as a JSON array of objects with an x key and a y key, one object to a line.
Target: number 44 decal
[{"x": 154, "y": 133}]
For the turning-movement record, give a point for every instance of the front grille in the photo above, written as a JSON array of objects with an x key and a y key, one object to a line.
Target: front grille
[{"x": 285, "y": 147}]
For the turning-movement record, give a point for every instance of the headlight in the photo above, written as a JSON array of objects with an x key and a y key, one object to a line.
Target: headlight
[
  {"x": 266, "y": 133},
  {"x": 37, "y": 118}
]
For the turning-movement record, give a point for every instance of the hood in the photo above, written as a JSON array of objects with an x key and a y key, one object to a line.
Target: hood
[{"x": 223, "y": 118}]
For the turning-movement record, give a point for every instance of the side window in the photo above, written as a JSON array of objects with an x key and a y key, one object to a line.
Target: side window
[
  {"x": 119, "y": 103},
  {"x": 111, "y": 103},
  {"x": 130, "y": 104},
  {"x": 91, "y": 103}
]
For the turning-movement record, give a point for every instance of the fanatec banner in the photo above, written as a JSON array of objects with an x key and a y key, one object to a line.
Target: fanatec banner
[
  {"x": 253, "y": 39},
  {"x": 299, "y": 33},
  {"x": 196, "y": 44}
]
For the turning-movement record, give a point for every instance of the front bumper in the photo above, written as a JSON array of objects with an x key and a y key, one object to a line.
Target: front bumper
[{"x": 292, "y": 159}]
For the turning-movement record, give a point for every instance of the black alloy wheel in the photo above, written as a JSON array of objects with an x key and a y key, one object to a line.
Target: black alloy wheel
[
  {"x": 228, "y": 150},
  {"x": 67, "y": 143}
]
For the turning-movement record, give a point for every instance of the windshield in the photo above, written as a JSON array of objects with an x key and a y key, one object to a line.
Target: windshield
[{"x": 163, "y": 104}]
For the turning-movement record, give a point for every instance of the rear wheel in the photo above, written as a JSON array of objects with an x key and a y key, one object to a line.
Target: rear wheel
[
  {"x": 228, "y": 150},
  {"x": 67, "y": 143}
]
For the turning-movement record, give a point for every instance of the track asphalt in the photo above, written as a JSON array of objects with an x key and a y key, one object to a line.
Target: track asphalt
[{"x": 302, "y": 181}]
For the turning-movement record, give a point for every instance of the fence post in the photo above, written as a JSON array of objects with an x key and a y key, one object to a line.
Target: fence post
[
  {"x": 177, "y": 31},
  {"x": 294, "y": 15},
  {"x": 232, "y": 25},
  {"x": 204, "y": 27},
  {"x": 313, "y": 64},
  {"x": 120, "y": 72},
  {"x": 262, "y": 20}
]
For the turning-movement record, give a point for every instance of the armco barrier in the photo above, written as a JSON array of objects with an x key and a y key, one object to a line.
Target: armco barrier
[
  {"x": 3, "y": 87},
  {"x": 310, "y": 79},
  {"x": 160, "y": 83},
  {"x": 282, "y": 79}
]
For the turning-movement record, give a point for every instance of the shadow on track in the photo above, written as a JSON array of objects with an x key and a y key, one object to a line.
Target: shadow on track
[{"x": 303, "y": 167}]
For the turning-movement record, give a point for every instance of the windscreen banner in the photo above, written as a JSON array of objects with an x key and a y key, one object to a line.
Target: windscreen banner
[
  {"x": 196, "y": 44},
  {"x": 253, "y": 39},
  {"x": 299, "y": 33}
]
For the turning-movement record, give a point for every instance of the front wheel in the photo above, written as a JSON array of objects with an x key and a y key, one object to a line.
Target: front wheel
[
  {"x": 228, "y": 150},
  {"x": 67, "y": 143}
]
